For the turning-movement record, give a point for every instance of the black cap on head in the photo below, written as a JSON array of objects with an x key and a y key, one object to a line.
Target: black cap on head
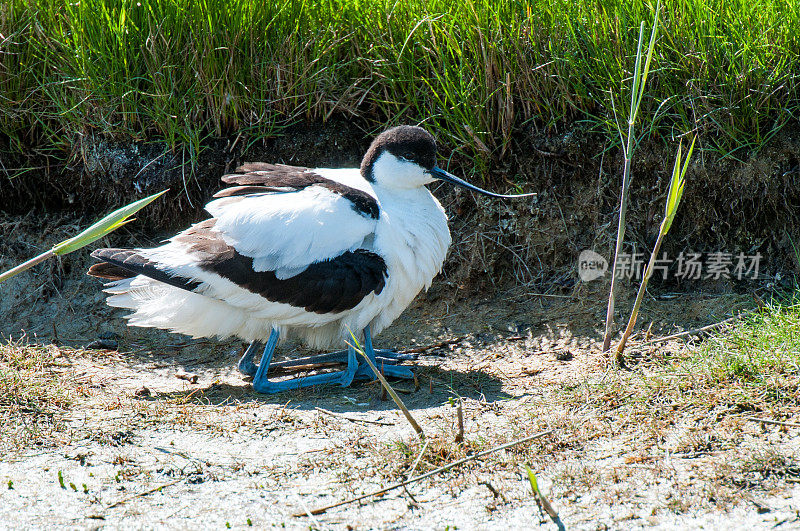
[
  {"x": 416, "y": 145},
  {"x": 407, "y": 141}
]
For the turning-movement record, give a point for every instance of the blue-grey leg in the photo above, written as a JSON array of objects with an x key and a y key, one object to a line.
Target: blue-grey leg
[
  {"x": 385, "y": 360},
  {"x": 262, "y": 384},
  {"x": 339, "y": 356},
  {"x": 352, "y": 367},
  {"x": 266, "y": 359},
  {"x": 246, "y": 365},
  {"x": 386, "y": 357},
  {"x": 383, "y": 357}
]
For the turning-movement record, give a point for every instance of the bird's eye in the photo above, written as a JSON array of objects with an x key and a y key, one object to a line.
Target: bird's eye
[{"x": 408, "y": 155}]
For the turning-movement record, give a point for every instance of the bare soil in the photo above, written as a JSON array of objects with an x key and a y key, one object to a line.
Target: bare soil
[{"x": 132, "y": 444}]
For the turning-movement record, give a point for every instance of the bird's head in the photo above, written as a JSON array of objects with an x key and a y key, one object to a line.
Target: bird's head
[{"x": 404, "y": 157}]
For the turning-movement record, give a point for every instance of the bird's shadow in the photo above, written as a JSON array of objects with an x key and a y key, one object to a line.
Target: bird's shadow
[{"x": 433, "y": 387}]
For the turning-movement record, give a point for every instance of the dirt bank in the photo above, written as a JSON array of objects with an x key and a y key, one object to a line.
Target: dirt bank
[{"x": 742, "y": 202}]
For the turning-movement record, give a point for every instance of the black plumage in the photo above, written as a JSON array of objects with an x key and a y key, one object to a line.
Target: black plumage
[{"x": 129, "y": 260}]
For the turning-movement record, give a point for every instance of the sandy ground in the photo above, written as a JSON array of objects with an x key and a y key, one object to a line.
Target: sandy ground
[{"x": 140, "y": 447}]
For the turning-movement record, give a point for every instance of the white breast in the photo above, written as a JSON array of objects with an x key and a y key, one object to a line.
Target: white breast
[{"x": 413, "y": 238}]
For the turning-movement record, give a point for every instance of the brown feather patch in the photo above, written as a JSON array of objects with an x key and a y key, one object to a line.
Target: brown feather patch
[
  {"x": 260, "y": 177},
  {"x": 108, "y": 271}
]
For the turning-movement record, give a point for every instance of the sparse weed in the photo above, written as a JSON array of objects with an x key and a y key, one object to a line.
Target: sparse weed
[
  {"x": 33, "y": 392},
  {"x": 759, "y": 354}
]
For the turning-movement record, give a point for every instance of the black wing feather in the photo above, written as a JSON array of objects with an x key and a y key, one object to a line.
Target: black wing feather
[
  {"x": 130, "y": 260},
  {"x": 329, "y": 286}
]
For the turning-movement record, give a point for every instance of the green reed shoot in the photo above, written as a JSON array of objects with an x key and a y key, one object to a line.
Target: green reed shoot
[
  {"x": 673, "y": 200},
  {"x": 109, "y": 223},
  {"x": 628, "y": 143}
]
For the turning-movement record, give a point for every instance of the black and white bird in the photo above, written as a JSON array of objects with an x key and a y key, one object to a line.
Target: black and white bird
[{"x": 292, "y": 252}]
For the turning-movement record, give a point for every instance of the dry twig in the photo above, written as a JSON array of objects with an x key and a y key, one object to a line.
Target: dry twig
[
  {"x": 446, "y": 342},
  {"x": 776, "y": 422},
  {"x": 188, "y": 376},
  {"x": 693, "y": 331},
  {"x": 353, "y": 419},
  {"x": 321, "y": 510},
  {"x": 145, "y": 493}
]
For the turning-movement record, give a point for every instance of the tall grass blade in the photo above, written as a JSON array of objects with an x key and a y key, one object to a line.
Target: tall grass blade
[
  {"x": 107, "y": 224},
  {"x": 628, "y": 146}
]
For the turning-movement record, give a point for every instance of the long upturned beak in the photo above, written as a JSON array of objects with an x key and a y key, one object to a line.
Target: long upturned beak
[{"x": 439, "y": 173}]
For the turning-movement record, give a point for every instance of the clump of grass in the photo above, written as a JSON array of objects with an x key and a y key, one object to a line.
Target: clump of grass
[
  {"x": 440, "y": 449},
  {"x": 477, "y": 71},
  {"x": 764, "y": 468},
  {"x": 33, "y": 393},
  {"x": 761, "y": 353},
  {"x": 752, "y": 366},
  {"x": 688, "y": 407}
]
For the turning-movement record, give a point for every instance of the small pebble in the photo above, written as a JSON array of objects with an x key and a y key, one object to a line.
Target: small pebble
[
  {"x": 144, "y": 391},
  {"x": 563, "y": 355},
  {"x": 189, "y": 377}
]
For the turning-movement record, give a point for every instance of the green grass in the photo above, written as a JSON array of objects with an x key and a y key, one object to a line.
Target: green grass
[
  {"x": 751, "y": 368},
  {"x": 699, "y": 397},
  {"x": 760, "y": 357},
  {"x": 478, "y": 71},
  {"x": 699, "y": 402}
]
